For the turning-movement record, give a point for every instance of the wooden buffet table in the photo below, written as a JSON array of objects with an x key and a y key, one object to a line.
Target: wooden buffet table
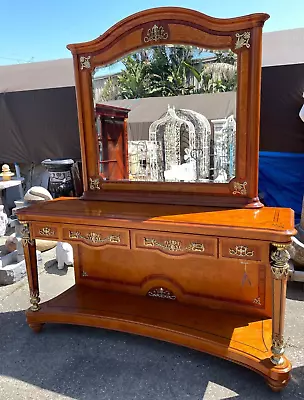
[{"x": 210, "y": 279}]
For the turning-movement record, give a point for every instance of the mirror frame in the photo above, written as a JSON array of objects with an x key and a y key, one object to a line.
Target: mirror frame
[{"x": 173, "y": 25}]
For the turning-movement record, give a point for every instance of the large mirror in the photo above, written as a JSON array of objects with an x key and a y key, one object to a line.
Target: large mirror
[{"x": 167, "y": 114}]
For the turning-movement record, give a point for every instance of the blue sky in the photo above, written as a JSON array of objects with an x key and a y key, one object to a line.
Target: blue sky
[{"x": 37, "y": 30}]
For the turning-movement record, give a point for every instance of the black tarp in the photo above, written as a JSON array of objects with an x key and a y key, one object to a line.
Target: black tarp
[
  {"x": 40, "y": 124},
  {"x": 282, "y": 130}
]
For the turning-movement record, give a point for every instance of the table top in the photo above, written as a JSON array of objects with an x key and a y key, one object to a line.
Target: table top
[{"x": 267, "y": 223}]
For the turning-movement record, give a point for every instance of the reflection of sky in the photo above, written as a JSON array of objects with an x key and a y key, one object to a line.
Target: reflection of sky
[{"x": 118, "y": 66}]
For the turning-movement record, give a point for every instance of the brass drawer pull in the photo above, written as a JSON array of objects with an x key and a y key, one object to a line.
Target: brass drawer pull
[
  {"x": 241, "y": 251},
  {"x": 46, "y": 231},
  {"x": 174, "y": 245},
  {"x": 94, "y": 237}
]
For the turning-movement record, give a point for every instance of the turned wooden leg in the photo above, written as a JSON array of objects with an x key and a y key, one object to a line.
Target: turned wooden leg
[
  {"x": 276, "y": 386},
  {"x": 279, "y": 258},
  {"x": 29, "y": 247},
  {"x": 36, "y": 327}
]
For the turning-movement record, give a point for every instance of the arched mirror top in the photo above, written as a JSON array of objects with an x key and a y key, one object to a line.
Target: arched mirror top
[{"x": 185, "y": 156}]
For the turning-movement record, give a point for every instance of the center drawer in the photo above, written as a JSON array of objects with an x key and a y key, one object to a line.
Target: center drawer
[
  {"x": 97, "y": 236},
  {"x": 174, "y": 243}
]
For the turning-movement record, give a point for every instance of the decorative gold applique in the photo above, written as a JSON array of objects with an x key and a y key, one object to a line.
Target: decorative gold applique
[
  {"x": 85, "y": 62},
  {"x": 94, "y": 237},
  {"x": 242, "y": 39},
  {"x": 34, "y": 300},
  {"x": 161, "y": 293},
  {"x": 241, "y": 251},
  {"x": 46, "y": 231},
  {"x": 174, "y": 245},
  {"x": 278, "y": 349},
  {"x": 94, "y": 184},
  {"x": 155, "y": 34},
  {"x": 239, "y": 188},
  {"x": 26, "y": 236},
  {"x": 257, "y": 301}
]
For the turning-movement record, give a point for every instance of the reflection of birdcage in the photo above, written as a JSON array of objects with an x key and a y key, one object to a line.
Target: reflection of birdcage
[{"x": 183, "y": 139}]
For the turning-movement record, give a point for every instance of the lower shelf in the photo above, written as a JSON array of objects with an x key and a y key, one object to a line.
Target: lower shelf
[{"x": 241, "y": 339}]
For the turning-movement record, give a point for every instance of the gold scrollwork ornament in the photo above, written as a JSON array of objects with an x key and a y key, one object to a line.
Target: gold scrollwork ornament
[
  {"x": 174, "y": 245},
  {"x": 155, "y": 34},
  {"x": 85, "y": 62},
  {"x": 161, "y": 293},
  {"x": 94, "y": 237},
  {"x": 94, "y": 183},
  {"x": 279, "y": 260},
  {"x": 241, "y": 251},
  {"x": 239, "y": 188},
  {"x": 242, "y": 40},
  {"x": 46, "y": 231}
]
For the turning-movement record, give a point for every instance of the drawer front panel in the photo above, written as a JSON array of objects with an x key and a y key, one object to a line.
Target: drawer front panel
[
  {"x": 45, "y": 231},
  {"x": 242, "y": 249},
  {"x": 100, "y": 236},
  {"x": 174, "y": 243}
]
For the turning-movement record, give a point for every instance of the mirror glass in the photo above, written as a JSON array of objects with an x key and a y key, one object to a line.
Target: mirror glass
[{"x": 167, "y": 114}]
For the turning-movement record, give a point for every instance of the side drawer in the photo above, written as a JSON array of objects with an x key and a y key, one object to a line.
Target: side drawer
[
  {"x": 97, "y": 236},
  {"x": 174, "y": 243},
  {"x": 45, "y": 231},
  {"x": 242, "y": 249}
]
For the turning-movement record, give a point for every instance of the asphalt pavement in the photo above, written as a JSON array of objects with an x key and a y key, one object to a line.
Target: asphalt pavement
[{"x": 75, "y": 362}]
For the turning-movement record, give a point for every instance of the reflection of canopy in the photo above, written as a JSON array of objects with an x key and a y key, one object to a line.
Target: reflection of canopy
[{"x": 145, "y": 111}]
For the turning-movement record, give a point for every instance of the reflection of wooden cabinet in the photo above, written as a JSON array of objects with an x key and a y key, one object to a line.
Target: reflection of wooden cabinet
[
  {"x": 112, "y": 141},
  {"x": 201, "y": 266}
]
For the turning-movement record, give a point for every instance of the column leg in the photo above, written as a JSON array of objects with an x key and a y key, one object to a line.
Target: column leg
[
  {"x": 29, "y": 247},
  {"x": 279, "y": 258}
]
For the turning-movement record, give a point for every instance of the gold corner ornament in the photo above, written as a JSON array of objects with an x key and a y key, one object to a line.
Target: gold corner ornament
[
  {"x": 155, "y": 34},
  {"x": 279, "y": 261},
  {"x": 239, "y": 188},
  {"x": 257, "y": 301},
  {"x": 85, "y": 62},
  {"x": 94, "y": 183},
  {"x": 242, "y": 40}
]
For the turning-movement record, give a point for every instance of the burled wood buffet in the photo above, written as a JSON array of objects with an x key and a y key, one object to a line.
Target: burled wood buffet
[{"x": 202, "y": 265}]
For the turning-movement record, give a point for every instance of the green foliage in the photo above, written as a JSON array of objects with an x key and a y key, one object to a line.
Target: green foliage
[{"x": 164, "y": 71}]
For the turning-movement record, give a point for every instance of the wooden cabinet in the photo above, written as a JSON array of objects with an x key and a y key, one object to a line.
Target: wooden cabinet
[{"x": 202, "y": 264}]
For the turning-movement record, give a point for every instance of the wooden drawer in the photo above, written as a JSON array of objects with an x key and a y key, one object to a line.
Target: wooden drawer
[
  {"x": 174, "y": 243},
  {"x": 97, "y": 236},
  {"x": 242, "y": 249},
  {"x": 45, "y": 231}
]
